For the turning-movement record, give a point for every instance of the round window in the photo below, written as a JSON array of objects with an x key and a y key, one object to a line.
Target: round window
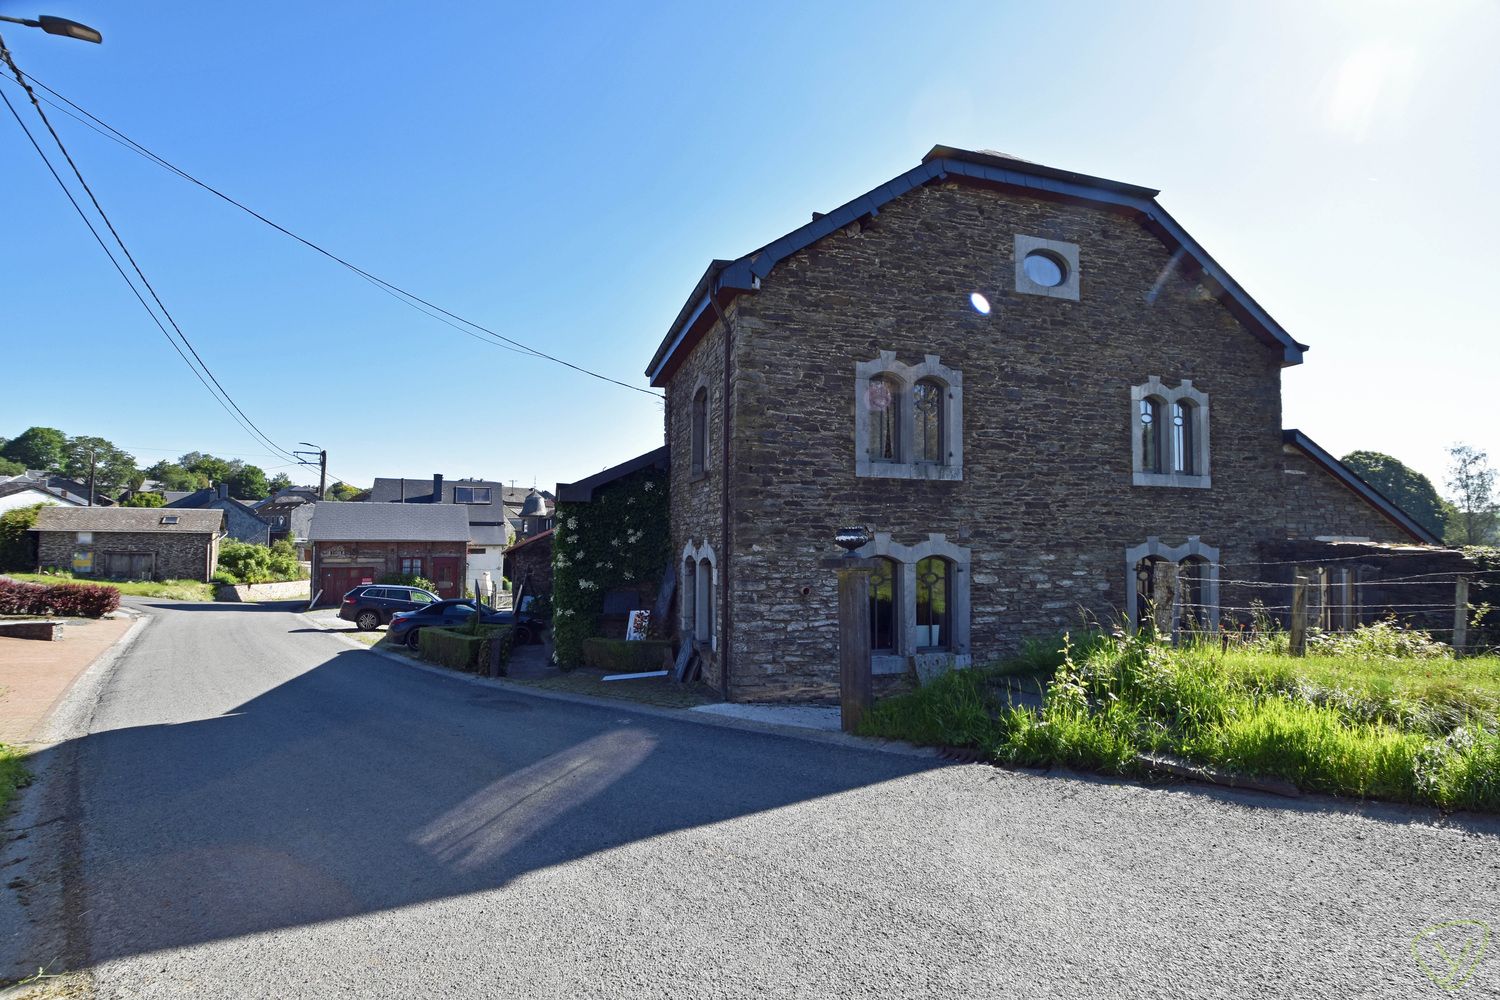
[{"x": 1044, "y": 269}]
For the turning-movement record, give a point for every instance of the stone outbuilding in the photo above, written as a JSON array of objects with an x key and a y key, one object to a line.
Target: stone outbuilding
[
  {"x": 130, "y": 543},
  {"x": 355, "y": 543},
  {"x": 240, "y": 519}
]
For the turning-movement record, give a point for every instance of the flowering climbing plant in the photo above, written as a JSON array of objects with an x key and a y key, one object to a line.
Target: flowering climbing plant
[{"x": 620, "y": 539}]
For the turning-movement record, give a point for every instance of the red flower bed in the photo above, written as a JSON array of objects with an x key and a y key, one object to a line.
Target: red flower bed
[{"x": 73, "y": 600}]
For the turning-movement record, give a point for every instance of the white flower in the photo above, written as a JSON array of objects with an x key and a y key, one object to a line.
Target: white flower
[
  {"x": 572, "y": 522},
  {"x": 650, "y": 486}
]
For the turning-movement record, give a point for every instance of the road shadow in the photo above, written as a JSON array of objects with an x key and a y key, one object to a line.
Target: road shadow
[{"x": 361, "y": 785}]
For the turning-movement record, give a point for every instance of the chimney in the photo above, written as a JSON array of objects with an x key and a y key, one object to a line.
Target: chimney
[
  {"x": 223, "y": 491},
  {"x": 437, "y": 487}
]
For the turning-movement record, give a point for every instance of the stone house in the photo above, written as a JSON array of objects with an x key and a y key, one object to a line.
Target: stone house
[
  {"x": 355, "y": 543},
  {"x": 1043, "y": 398},
  {"x": 241, "y": 520},
  {"x": 528, "y": 563},
  {"x": 130, "y": 543}
]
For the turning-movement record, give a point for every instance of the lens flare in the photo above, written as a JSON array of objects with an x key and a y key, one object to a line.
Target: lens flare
[{"x": 980, "y": 303}]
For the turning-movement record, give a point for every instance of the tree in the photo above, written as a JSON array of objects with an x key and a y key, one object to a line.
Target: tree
[
  {"x": 145, "y": 500},
  {"x": 114, "y": 468},
  {"x": 279, "y": 482},
  {"x": 249, "y": 483},
  {"x": 343, "y": 491},
  {"x": 37, "y": 448},
  {"x": 1471, "y": 483},
  {"x": 1407, "y": 488},
  {"x": 17, "y": 549},
  {"x": 206, "y": 468},
  {"x": 172, "y": 476},
  {"x": 9, "y": 468}
]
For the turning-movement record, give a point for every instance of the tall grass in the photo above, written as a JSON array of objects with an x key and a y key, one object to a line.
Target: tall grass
[
  {"x": 1415, "y": 730},
  {"x": 13, "y": 775}
]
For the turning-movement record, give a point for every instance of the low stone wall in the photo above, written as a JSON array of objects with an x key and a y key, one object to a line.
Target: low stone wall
[
  {"x": 47, "y": 631},
  {"x": 289, "y": 590}
]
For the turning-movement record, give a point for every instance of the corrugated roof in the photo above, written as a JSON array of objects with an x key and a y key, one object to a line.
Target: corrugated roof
[
  {"x": 144, "y": 519},
  {"x": 388, "y": 522}
]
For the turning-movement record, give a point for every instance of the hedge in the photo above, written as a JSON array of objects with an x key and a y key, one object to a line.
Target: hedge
[
  {"x": 625, "y": 656},
  {"x": 74, "y": 600},
  {"x": 458, "y": 649}
]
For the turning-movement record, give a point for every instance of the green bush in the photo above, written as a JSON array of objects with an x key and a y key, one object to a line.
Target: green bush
[
  {"x": 456, "y": 649},
  {"x": 16, "y": 548},
  {"x": 1387, "y": 640},
  {"x": 145, "y": 500},
  {"x": 625, "y": 657},
  {"x": 408, "y": 580},
  {"x": 247, "y": 562}
]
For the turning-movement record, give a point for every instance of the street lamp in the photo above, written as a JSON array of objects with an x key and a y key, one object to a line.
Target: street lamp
[{"x": 59, "y": 26}]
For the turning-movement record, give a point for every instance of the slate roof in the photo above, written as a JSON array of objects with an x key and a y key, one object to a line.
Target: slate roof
[
  {"x": 725, "y": 279},
  {"x": 583, "y": 490},
  {"x": 1364, "y": 490},
  {"x": 209, "y": 497},
  {"x": 138, "y": 519},
  {"x": 487, "y": 534},
  {"x": 6, "y": 489},
  {"x": 388, "y": 522}
]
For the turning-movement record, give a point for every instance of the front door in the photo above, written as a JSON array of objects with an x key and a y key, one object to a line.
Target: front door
[{"x": 447, "y": 575}]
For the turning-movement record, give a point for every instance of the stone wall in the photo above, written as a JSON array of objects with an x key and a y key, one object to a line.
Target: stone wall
[
  {"x": 285, "y": 590},
  {"x": 178, "y": 555},
  {"x": 1318, "y": 504},
  {"x": 1046, "y": 504},
  {"x": 531, "y": 563}
]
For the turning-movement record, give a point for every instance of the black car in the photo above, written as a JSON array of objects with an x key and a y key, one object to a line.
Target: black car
[
  {"x": 406, "y": 625},
  {"x": 371, "y": 605}
]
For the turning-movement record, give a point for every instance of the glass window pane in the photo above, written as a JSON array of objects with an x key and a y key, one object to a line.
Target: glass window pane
[
  {"x": 1043, "y": 269},
  {"x": 883, "y": 606},
  {"x": 1150, "y": 434},
  {"x": 884, "y": 402},
  {"x": 927, "y": 410},
  {"x": 933, "y": 631},
  {"x": 1182, "y": 438}
]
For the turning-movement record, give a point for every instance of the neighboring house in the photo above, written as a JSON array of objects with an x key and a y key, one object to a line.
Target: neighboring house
[
  {"x": 1042, "y": 397},
  {"x": 355, "y": 543},
  {"x": 130, "y": 543},
  {"x": 244, "y": 523},
  {"x": 484, "y": 505},
  {"x": 25, "y": 494},
  {"x": 529, "y": 510},
  {"x": 276, "y": 510},
  {"x": 61, "y": 487}
]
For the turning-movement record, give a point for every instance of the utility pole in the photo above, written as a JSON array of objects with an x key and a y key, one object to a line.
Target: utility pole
[
  {"x": 305, "y": 458},
  {"x": 91, "y": 477}
]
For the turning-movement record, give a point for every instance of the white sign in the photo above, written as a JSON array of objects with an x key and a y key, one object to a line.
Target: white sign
[{"x": 638, "y": 624}]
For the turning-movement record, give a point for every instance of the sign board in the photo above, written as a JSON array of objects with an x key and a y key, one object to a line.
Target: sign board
[
  {"x": 638, "y": 624},
  {"x": 83, "y": 562}
]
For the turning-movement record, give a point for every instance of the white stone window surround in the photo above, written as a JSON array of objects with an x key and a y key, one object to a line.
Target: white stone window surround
[
  {"x": 1175, "y": 554},
  {"x": 701, "y": 385},
  {"x": 705, "y": 590},
  {"x": 906, "y": 558},
  {"x": 908, "y": 376},
  {"x": 1154, "y": 386},
  {"x": 1066, "y": 254}
]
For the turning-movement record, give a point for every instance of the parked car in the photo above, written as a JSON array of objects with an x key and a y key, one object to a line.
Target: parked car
[
  {"x": 371, "y": 605},
  {"x": 405, "y": 625}
]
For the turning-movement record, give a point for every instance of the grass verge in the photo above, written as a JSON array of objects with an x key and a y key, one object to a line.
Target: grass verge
[
  {"x": 1419, "y": 731},
  {"x": 170, "y": 590},
  {"x": 13, "y": 775}
]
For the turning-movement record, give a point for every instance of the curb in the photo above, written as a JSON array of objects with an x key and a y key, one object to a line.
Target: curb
[{"x": 845, "y": 740}]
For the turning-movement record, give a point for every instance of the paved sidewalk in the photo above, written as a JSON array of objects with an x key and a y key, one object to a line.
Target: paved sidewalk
[{"x": 35, "y": 675}]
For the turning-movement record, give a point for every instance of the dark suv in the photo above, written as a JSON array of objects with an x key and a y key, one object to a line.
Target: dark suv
[{"x": 371, "y": 605}]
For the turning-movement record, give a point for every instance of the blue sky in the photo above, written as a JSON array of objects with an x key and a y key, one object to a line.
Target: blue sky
[{"x": 563, "y": 173}]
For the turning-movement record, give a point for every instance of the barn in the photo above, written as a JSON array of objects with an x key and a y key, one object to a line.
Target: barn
[{"x": 355, "y": 543}]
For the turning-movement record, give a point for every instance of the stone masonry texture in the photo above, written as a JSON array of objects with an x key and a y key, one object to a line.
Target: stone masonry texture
[
  {"x": 179, "y": 555},
  {"x": 1046, "y": 502}
]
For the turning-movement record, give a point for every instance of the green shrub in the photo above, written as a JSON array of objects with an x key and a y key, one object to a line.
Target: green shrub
[
  {"x": 145, "y": 500},
  {"x": 1387, "y": 640},
  {"x": 457, "y": 649},
  {"x": 247, "y": 562},
  {"x": 408, "y": 580},
  {"x": 625, "y": 657},
  {"x": 17, "y": 551},
  {"x": 224, "y": 578}
]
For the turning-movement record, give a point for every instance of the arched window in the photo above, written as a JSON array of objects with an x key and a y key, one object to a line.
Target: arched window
[
  {"x": 700, "y": 432},
  {"x": 689, "y": 596},
  {"x": 885, "y": 613},
  {"x": 1150, "y": 432},
  {"x": 928, "y": 443},
  {"x": 884, "y": 402},
  {"x": 1193, "y": 611},
  {"x": 934, "y": 618},
  {"x": 1182, "y": 437},
  {"x": 705, "y": 625}
]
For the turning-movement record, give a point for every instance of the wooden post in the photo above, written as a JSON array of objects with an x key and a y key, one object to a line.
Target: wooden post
[
  {"x": 1460, "y": 614},
  {"x": 1297, "y": 645},
  {"x": 856, "y": 685}
]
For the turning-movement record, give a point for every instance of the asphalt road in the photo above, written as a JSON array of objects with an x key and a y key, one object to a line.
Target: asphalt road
[{"x": 266, "y": 812}]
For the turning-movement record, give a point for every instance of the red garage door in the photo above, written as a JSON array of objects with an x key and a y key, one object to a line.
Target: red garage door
[{"x": 336, "y": 581}]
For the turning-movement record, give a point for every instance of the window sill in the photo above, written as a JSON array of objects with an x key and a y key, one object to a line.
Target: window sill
[
  {"x": 1173, "y": 479},
  {"x": 915, "y": 470},
  {"x": 697, "y": 477},
  {"x": 887, "y": 664}
]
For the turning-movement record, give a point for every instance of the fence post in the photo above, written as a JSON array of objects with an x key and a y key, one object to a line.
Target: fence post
[
  {"x": 1297, "y": 644},
  {"x": 856, "y": 685},
  {"x": 1460, "y": 613}
]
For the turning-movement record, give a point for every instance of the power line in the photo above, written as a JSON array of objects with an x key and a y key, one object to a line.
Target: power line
[
  {"x": 242, "y": 417},
  {"x": 409, "y": 298}
]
